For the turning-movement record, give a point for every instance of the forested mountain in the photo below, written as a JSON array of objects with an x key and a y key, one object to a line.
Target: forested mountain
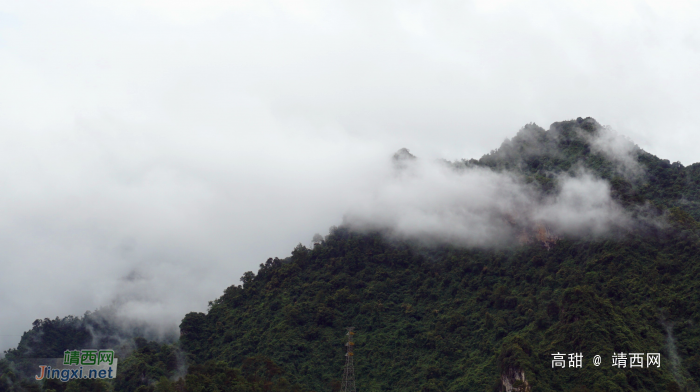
[{"x": 445, "y": 317}]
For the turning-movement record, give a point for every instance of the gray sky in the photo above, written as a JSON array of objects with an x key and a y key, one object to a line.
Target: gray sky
[{"x": 152, "y": 151}]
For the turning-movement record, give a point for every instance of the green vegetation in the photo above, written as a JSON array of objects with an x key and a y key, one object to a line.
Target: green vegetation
[
  {"x": 455, "y": 319},
  {"x": 445, "y": 318}
]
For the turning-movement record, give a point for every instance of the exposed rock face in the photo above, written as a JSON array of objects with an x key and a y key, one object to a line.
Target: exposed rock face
[
  {"x": 514, "y": 381},
  {"x": 538, "y": 234},
  {"x": 545, "y": 236}
]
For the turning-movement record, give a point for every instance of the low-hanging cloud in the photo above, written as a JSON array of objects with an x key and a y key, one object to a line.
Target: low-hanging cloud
[
  {"x": 477, "y": 206},
  {"x": 582, "y": 206},
  {"x": 618, "y": 148},
  {"x": 104, "y": 215}
]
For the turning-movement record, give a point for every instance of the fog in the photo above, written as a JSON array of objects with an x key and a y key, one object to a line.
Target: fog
[
  {"x": 152, "y": 151},
  {"x": 438, "y": 202}
]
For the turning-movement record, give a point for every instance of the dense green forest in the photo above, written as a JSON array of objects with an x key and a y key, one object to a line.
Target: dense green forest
[{"x": 441, "y": 317}]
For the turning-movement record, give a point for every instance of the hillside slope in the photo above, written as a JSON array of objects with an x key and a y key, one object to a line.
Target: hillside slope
[
  {"x": 443, "y": 317},
  {"x": 460, "y": 322},
  {"x": 447, "y": 318}
]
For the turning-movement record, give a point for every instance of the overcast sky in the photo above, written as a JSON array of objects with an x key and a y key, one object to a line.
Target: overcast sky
[{"x": 152, "y": 151}]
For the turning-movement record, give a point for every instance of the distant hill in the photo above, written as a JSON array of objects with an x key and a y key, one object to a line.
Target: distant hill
[{"x": 450, "y": 318}]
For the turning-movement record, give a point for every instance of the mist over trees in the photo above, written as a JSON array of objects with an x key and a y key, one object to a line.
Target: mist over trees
[{"x": 434, "y": 308}]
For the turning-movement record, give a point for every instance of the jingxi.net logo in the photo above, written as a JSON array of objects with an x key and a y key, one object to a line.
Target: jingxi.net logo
[{"x": 75, "y": 364}]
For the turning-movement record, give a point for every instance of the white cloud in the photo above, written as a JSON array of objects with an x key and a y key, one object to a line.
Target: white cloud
[
  {"x": 479, "y": 207},
  {"x": 583, "y": 205},
  {"x": 618, "y": 148}
]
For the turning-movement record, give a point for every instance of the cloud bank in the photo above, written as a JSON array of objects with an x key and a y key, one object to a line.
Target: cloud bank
[{"x": 475, "y": 206}]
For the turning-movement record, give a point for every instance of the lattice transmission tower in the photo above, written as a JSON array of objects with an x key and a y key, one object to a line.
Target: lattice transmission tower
[{"x": 349, "y": 373}]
